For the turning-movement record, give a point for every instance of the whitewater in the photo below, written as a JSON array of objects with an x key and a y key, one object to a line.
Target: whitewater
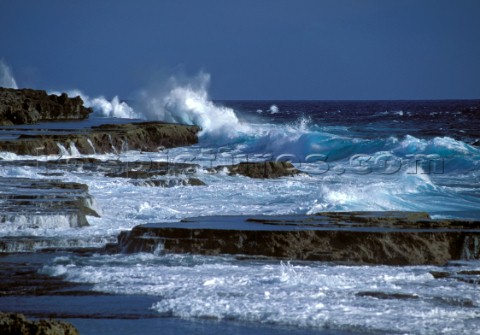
[{"x": 356, "y": 156}]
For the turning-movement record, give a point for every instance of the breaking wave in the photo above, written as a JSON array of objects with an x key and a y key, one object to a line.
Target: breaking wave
[
  {"x": 189, "y": 103},
  {"x": 104, "y": 107}
]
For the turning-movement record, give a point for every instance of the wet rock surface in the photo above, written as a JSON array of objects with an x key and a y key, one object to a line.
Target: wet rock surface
[
  {"x": 26, "y": 202},
  {"x": 108, "y": 138},
  {"x": 173, "y": 182},
  {"x": 471, "y": 277},
  {"x": 265, "y": 169},
  {"x": 42, "y": 204},
  {"x": 27, "y": 106},
  {"x": 393, "y": 238},
  {"x": 18, "y": 324},
  {"x": 385, "y": 295}
]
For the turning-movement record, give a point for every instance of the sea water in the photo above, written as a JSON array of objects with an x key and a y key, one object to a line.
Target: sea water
[{"x": 358, "y": 156}]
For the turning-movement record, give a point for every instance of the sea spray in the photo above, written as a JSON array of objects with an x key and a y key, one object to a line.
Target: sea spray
[
  {"x": 189, "y": 103},
  {"x": 6, "y": 77},
  {"x": 104, "y": 107}
]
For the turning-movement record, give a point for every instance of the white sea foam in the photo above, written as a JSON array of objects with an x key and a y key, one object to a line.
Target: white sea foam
[
  {"x": 274, "y": 109},
  {"x": 105, "y": 107},
  {"x": 301, "y": 295}
]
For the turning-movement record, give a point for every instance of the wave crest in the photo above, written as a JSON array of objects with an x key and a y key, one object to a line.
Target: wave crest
[{"x": 190, "y": 104}]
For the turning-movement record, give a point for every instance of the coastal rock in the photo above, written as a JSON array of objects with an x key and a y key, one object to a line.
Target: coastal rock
[
  {"x": 144, "y": 136},
  {"x": 18, "y": 324},
  {"x": 337, "y": 237},
  {"x": 146, "y": 170},
  {"x": 261, "y": 169},
  {"x": 169, "y": 182},
  {"x": 31, "y": 203},
  {"x": 27, "y": 106}
]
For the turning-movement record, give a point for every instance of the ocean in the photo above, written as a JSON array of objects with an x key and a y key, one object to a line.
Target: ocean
[{"x": 356, "y": 155}]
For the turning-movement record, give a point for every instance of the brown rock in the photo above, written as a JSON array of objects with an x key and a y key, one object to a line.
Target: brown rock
[
  {"x": 145, "y": 136},
  {"x": 26, "y": 106},
  {"x": 17, "y": 324},
  {"x": 334, "y": 237},
  {"x": 261, "y": 169}
]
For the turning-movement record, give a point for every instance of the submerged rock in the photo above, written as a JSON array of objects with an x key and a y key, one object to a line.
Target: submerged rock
[
  {"x": 26, "y": 106},
  {"x": 146, "y": 170},
  {"x": 386, "y": 295},
  {"x": 338, "y": 237},
  {"x": 169, "y": 182},
  {"x": 17, "y": 324},
  {"x": 261, "y": 169}
]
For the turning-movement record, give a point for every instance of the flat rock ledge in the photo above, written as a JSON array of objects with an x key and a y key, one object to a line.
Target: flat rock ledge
[
  {"x": 18, "y": 324},
  {"x": 27, "y": 106},
  {"x": 144, "y": 136},
  {"x": 391, "y": 238}
]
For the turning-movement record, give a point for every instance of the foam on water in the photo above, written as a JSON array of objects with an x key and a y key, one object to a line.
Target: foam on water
[{"x": 300, "y": 295}]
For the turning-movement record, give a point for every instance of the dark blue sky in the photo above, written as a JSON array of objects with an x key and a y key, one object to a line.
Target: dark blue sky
[{"x": 254, "y": 49}]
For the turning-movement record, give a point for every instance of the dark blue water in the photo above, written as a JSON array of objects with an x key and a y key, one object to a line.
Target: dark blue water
[{"x": 459, "y": 119}]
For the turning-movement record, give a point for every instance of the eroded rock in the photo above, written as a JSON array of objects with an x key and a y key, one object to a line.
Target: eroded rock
[
  {"x": 18, "y": 324},
  {"x": 31, "y": 203},
  {"x": 143, "y": 136},
  {"x": 336, "y": 237},
  {"x": 27, "y": 106}
]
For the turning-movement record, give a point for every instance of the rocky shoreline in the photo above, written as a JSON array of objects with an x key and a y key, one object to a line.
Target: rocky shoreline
[{"x": 398, "y": 238}]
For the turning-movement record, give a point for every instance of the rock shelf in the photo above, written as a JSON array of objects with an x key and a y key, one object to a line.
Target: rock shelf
[{"x": 392, "y": 238}]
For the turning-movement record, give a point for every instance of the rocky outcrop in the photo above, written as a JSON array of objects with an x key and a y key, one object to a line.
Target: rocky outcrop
[
  {"x": 393, "y": 238},
  {"x": 144, "y": 136},
  {"x": 26, "y": 106},
  {"x": 260, "y": 169},
  {"x": 18, "y": 324},
  {"x": 31, "y": 203}
]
